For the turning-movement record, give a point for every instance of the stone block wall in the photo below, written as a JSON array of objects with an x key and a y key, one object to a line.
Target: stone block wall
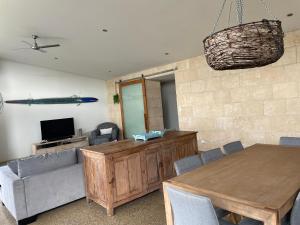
[{"x": 255, "y": 105}]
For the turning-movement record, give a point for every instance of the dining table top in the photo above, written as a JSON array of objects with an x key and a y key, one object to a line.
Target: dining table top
[{"x": 262, "y": 176}]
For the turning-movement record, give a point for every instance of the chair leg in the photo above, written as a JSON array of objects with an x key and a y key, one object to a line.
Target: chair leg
[
  {"x": 234, "y": 218},
  {"x": 27, "y": 220}
]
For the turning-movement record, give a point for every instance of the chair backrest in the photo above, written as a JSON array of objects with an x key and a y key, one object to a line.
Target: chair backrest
[
  {"x": 233, "y": 147},
  {"x": 211, "y": 155},
  {"x": 187, "y": 164},
  {"x": 290, "y": 141},
  {"x": 295, "y": 215},
  {"x": 115, "y": 129},
  {"x": 189, "y": 209}
]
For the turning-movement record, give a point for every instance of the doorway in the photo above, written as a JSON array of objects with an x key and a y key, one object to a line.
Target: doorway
[
  {"x": 168, "y": 101},
  {"x": 148, "y": 104},
  {"x": 169, "y": 104}
]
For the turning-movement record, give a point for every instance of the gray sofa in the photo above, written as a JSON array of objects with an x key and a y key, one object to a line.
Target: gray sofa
[
  {"x": 36, "y": 184},
  {"x": 97, "y": 138}
]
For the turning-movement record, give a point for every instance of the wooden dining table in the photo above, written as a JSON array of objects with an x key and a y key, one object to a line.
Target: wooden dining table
[{"x": 260, "y": 182}]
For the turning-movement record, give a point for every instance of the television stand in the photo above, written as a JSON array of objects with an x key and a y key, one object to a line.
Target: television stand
[{"x": 59, "y": 145}]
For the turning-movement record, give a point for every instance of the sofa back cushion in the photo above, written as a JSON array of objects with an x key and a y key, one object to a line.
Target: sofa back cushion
[{"x": 43, "y": 163}]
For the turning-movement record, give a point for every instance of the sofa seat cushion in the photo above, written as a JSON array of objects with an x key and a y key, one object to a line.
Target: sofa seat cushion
[{"x": 43, "y": 163}]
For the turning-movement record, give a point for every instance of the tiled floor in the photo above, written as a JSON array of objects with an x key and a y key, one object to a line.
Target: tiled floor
[{"x": 148, "y": 210}]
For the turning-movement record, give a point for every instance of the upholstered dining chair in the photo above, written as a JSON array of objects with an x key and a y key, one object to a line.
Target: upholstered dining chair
[
  {"x": 188, "y": 164},
  {"x": 293, "y": 219},
  {"x": 211, "y": 155},
  {"x": 233, "y": 147},
  {"x": 295, "y": 215},
  {"x": 290, "y": 141},
  {"x": 190, "y": 209}
]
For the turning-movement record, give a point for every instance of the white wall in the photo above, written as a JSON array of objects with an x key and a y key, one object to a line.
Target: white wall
[{"x": 20, "y": 124}]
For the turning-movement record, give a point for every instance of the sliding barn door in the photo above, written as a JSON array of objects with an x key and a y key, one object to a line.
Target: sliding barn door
[{"x": 134, "y": 107}]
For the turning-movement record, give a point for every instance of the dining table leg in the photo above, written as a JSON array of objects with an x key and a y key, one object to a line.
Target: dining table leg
[
  {"x": 168, "y": 207},
  {"x": 273, "y": 220}
]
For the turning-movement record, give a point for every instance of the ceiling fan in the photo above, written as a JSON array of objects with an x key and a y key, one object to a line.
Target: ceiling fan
[{"x": 36, "y": 46}]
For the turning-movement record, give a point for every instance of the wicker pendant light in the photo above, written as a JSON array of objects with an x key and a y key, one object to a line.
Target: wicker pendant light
[{"x": 245, "y": 45}]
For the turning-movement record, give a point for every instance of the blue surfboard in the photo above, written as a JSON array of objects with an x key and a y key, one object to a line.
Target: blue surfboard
[{"x": 48, "y": 101}]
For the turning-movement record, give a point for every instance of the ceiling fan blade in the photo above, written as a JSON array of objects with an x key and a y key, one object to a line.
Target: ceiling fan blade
[
  {"x": 42, "y": 50},
  {"x": 17, "y": 49},
  {"x": 27, "y": 43},
  {"x": 49, "y": 46}
]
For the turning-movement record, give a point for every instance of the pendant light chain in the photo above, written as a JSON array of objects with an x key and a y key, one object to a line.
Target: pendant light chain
[
  {"x": 240, "y": 10},
  {"x": 229, "y": 16},
  {"x": 267, "y": 8},
  {"x": 219, "y": 16}
]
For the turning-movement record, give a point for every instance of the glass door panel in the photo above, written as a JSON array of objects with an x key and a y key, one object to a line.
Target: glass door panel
[{"x": 133, "y": 109}]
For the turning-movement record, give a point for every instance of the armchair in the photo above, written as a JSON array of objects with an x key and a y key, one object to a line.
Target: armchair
[{"x": 96, "y": 137}]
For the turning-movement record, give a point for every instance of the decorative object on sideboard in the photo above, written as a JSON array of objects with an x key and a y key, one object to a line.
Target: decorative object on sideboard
[
  {"x": 48, "y": 101},
  {"x": 246, "y": 45},
  {"x": 1, "y": 103},
  {"x": 149, "y": 135}
]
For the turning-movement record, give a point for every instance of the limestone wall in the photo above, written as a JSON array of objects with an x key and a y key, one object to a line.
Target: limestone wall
[
  {"x": 154, "y": 104},
  {"x": 255, "y": 105}
]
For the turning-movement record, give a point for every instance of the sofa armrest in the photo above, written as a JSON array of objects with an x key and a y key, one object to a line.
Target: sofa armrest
[
  {"x": 93, "y": 135},
  {"x": 115, "y": 134},
  {"x": 12, "y": 193}
]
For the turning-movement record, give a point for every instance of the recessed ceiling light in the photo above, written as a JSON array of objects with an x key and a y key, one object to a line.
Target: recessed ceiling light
[
  {"x": 104, "y": 30},
  {"x": 290, "y": 14},
  {"x": 167, "y": 53}
]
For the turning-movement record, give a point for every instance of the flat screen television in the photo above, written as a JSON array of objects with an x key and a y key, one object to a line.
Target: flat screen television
[{"x": 59, "y": 129}]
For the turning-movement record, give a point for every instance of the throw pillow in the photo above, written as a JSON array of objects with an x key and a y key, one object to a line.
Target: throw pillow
[{"x": 106, "y": 131}]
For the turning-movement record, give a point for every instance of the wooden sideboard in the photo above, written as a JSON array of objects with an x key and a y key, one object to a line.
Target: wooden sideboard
[{"x": 119, "y": 172}]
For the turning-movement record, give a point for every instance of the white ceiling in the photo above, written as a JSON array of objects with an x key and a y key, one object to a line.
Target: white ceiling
[{"x": 139, "y": 31}]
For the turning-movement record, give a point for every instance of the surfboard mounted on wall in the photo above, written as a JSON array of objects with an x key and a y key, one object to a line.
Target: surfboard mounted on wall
[{"x": 49, "y": 101}]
